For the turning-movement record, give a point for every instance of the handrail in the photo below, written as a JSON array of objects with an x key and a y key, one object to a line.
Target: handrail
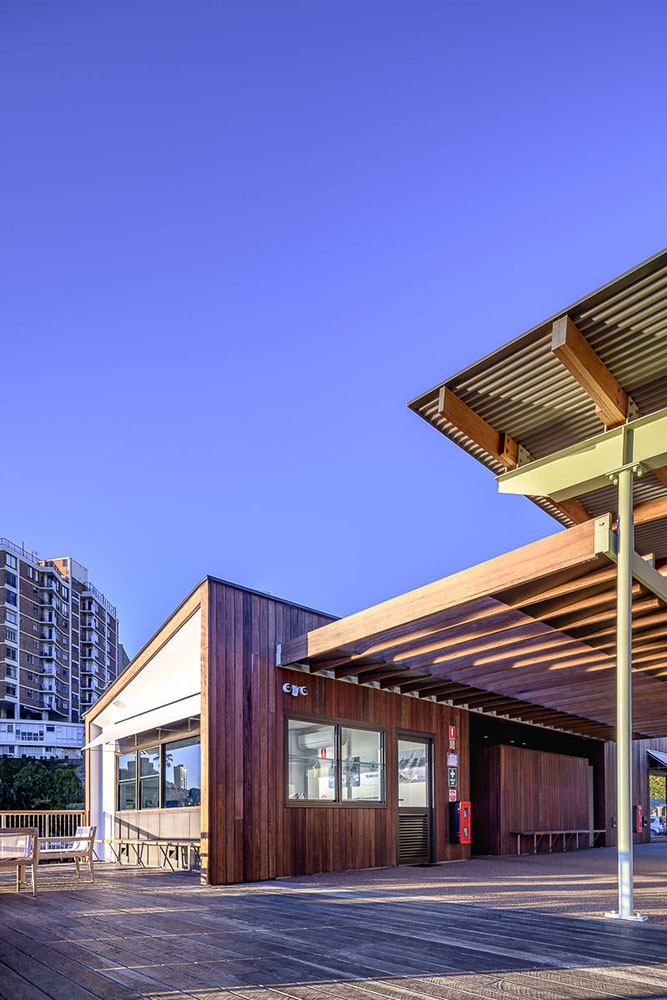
[{"x": 49, "y": 822}]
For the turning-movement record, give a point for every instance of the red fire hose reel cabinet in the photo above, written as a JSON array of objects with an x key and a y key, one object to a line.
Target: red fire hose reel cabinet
[{"x": 459, "y": 822}]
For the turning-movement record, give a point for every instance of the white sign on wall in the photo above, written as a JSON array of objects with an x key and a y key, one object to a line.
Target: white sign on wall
[{"x": 295, "y": 689}]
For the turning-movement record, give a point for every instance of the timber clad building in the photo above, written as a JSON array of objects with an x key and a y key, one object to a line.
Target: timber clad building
[{"x": 290, "y": 742}]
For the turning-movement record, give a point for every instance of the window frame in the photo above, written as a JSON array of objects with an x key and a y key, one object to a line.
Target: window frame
[
  {"x": 149, "y": 744},
  {"x": 338, "y": 802}
]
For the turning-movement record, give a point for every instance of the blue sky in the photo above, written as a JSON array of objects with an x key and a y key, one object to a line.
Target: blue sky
[{"x": 237, "y": 238}]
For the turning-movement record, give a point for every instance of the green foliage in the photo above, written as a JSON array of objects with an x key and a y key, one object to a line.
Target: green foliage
[
  {"x": 656, "y": 786},
  {"x": 38, "y": 784}
]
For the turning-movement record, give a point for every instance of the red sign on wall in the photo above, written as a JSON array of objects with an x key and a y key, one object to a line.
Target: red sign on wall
[
  {"x": 323, "y": 752},
  {"x": 452, "y": 795},
  {"x": 452, "y": 732}
]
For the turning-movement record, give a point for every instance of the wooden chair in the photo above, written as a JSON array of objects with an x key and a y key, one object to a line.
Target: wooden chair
[
  {"x": 19, "y": 848},
  {"x": 79, "y": 849}
]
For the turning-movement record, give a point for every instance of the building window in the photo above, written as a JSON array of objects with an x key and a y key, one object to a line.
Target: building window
[
  {"x": 182, "y": 773},
  {"x": 127, "y": 781},
  {"x": 10, "y": 561},
  {"x": 361, "y": 765},
  {"x": 11, "y": 617},
  {"x": 334, "y": 763},
  {"x": 149, "y": 778},
  {"x": 10, "y": 580},
  {"x": 11, "y": 635},
  {"x": 10, "y": 653},
  {"x": 10, "y": 597}
]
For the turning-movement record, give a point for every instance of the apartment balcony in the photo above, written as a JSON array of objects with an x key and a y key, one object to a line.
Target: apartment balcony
[{"x": 49, "y": 668}]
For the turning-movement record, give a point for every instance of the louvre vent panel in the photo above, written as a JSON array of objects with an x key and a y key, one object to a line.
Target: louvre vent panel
[{"x": 413, "y": 839}]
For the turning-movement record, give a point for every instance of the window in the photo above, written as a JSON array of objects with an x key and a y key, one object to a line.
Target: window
[
  {"x": 30, "y": 658},
  {"x": 11, "y": 617},
  {"x": 10, "y": 597},
  {"x": 30, "y": 572},
  {"x": 30, "y": 676},
  {"x": 149, "y": 778},
  {"x": 10, "y": 561},
  {"x": 182, "y": 773},
  {"x": 361, "y": 765},
  {"x": 312, "y": 761},
  {"x": 10, "y": 580},
  {"x": 30, "y": 694},
  {"x": 10, "y": 653},
  {"x": 334, "y": 763},
  {"x": 127, "y": 781},
  {"x": 11, "y": 635}
]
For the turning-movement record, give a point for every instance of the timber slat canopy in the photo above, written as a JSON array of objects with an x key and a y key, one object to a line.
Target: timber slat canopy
[{"x": 530, "y": 635}]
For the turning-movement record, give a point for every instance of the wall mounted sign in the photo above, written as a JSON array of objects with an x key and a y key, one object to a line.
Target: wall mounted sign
[
  {"x": 452, "y": 760},
  {"x": 452, "y": 744},
  {"x": 452, "y": 795},
  {"x": 451, "y": 777},
  {"x": 295, "y": 689},
  {"x": 452, "y": 732}
]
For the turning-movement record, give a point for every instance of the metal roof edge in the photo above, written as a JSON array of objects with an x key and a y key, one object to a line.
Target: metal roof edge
[{"x": 618, "y": 283}]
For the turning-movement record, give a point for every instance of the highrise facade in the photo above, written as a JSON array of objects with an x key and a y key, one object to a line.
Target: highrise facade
[{"x": 59, "y": 650}]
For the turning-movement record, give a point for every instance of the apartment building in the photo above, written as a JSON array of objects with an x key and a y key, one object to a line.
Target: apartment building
[{"x": 59, "y": 650}]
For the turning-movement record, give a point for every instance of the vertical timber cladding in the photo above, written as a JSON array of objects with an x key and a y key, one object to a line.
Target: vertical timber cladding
[{"x": 249, "y": 832}]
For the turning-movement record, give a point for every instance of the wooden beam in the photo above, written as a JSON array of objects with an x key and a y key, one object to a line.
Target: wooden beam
[
  {"x": 543, "y": 558},
  {"x": 576, "y": 354},
  {"x": 498, "y": 445},
  {"x": 460, "y": 415}
]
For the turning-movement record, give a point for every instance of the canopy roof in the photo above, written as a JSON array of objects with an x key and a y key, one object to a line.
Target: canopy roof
[
  {"x": 591, "y": 366},
  {"x": 529, "y": 635}
]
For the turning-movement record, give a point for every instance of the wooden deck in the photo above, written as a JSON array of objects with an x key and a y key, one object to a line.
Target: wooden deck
[{"x": 386, "y": 937}]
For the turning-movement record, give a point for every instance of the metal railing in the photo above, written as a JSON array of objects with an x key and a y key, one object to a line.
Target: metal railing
[
  {"x": 49, "y": 822},
  {"x": 88, "y": 588}
]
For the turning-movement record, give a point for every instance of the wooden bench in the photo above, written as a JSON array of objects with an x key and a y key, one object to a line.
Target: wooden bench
[
  {"x": 77, "y": 849},
  {"x": 168, "y": 850},
  {"x": 537, "y": 836},
  {"x": 19, "y": 848}
]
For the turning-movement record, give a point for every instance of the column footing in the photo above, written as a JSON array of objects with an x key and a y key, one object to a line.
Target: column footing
[{"x": 637, "y": 917}]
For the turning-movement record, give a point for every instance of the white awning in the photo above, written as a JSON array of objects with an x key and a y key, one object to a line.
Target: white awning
[
  {"x": 658, "y": 756},
  {"x": 152, "y": 718}
]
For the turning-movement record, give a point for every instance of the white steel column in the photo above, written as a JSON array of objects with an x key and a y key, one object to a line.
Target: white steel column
[{"x": 624, "y": 693}]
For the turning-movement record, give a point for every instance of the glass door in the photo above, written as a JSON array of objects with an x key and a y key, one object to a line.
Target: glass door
[{"x": 414, "y": 800}]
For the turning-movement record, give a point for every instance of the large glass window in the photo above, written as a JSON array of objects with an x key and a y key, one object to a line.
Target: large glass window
[
  {"x": 312, "y": 761},
  {"x": 182, "y": 773},
  {"x": 361, "y": 765},
  {"x": 127, "y": 781},
  {"x": 331, "y": 763},
  {"x": 149, "y": 778}
]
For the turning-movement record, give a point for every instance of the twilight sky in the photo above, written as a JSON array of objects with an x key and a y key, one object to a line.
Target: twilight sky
[{"x": 238, "y": 236}]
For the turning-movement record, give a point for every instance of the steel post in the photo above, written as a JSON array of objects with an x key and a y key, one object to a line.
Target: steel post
[
  {"x": 624, "y": 693},
  {"x": 626, "y": 545}
]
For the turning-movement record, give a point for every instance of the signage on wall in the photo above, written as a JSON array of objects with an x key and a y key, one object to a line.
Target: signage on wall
[
  {"x": 452, "y": 760},
  {"x": 295, "y": 689},
  {"x": 452, "y": 795},
  {"x": 451, "y": 777},
  {"x": 452, "y": 744},
  {"x": 452, "y": 732}
]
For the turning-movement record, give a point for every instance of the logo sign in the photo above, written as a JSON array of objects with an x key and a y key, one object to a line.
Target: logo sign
[
  {"x": 452, "y": 795},
  {"x": 451, "y": 777},
  {"x": 295, "y": 689},
  {"x": 452, "y": 760},
  {"x": 452, "y": 732}
]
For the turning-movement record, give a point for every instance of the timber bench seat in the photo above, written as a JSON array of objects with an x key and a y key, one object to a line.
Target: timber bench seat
[{"x": 553, "y": 836}]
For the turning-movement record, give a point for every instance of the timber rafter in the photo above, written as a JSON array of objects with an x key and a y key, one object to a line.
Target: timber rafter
[{"x": 529, "y": 635}]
